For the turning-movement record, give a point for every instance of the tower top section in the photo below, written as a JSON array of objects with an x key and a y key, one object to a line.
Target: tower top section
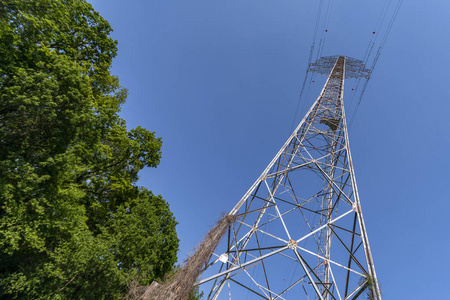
[{"x": 354, "y": 68}]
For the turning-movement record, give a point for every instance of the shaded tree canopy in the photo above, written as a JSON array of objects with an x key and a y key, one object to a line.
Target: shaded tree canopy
[{"x": 73, "y": 222}]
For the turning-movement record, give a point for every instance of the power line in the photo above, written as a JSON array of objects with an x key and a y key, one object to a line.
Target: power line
[
  {"x": 311, "y": 53},
  {"x": 380, "y": 49}
]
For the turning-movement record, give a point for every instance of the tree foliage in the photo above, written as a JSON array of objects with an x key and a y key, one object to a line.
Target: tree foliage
[{"x": 73, "y": 222}]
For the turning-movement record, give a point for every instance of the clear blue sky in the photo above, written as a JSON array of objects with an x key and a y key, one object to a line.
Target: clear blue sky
[{"x": 219, "y": 81}]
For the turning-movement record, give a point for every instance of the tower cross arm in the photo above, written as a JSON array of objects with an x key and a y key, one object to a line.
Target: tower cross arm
[{"x": 354, "y": 68}]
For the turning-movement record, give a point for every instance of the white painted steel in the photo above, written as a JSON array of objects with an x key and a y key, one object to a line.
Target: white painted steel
[{"x": 300, "y": 152}]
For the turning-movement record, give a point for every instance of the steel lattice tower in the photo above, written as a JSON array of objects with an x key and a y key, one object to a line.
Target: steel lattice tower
[{"x": 299, "y": 231}]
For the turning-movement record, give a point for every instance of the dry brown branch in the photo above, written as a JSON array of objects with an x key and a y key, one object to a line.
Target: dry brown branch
[{"x": 181, "y": 285}]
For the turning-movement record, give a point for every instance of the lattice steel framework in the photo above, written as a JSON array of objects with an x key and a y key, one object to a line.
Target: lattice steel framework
[{"x": 299, "y": 231}]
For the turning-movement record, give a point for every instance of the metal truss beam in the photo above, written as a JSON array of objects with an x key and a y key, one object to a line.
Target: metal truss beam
[{"x": 302, "y": 217}]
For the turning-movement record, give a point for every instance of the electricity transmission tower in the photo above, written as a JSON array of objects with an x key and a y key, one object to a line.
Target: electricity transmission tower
[{"x": 299, "y": 231}]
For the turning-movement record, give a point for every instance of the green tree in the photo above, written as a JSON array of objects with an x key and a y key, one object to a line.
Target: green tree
[{"x": 73, "y": 222}]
